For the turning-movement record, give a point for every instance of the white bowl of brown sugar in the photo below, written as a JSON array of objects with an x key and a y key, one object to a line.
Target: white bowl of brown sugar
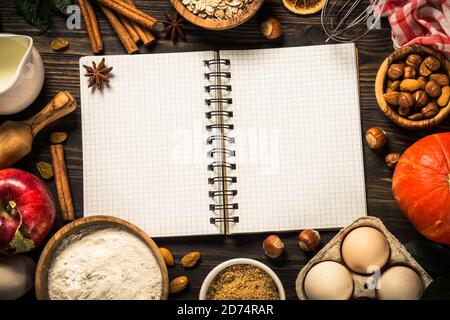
[{"x": 242, "y": 279}]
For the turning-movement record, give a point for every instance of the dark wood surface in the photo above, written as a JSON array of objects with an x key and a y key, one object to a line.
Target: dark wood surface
[{"x": 62, "y": 74}]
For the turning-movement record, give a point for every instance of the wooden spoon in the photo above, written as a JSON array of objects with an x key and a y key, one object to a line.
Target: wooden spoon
[{"x": 16, "y": 138}]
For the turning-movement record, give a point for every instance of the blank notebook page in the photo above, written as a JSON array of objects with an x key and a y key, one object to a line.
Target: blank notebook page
[
  {"x": 298, "y": 138},
  {"x": 144, "y": 143}
]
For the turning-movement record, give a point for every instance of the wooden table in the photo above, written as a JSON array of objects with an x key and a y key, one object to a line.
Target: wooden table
[{"x": 62, "y": 74}]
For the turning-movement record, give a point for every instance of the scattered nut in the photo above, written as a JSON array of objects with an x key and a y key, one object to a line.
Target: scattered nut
[
  {"x": 440, "y": 78},
  {"x": 420, "y": 98},
  {"x": 392, "y": 159},
  {"x": 178, "y": 284},
  {"x": 432, "y": 63},
  {"x": 424, "y": 70},
  {"x": 168, "y": 257},
  {"x": 392, "y": 98},
  {"x": 376, "y": 137},
  {"x": 309, "y": 240},
  {"x": 415, "y": 117},
  {"x": 410, "y": 85},
  {"x": 191, "y": 259},
  {"x": 444, "y": 98},
  {"x": 273, "y": 246},
  {"x": 433, "y": 89},
  {"x": 414, "y": 60},
  {"x": 271, "y": 28},
  {"x": 409, "y": 72},
  {"x": 58, "y": 137},
  {"x": 395, "y": 71},
  {"x": 60, "y": 44},
  {"x": 430, "y": 110},
  {"x": 45, "y": 170}
]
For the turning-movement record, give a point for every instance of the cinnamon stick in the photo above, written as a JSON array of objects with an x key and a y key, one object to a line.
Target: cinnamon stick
[
  {"x": 124, "y": 9},
  {"x": 62, "y": 182},
  {"x": 128, "y": 43},
  {"x": 145, "y": 35},
  {"x": 130, "y": 29},
  {"x": 92, "y": 29}
]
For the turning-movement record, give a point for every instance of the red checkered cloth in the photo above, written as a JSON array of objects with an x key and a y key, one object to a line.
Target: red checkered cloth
[{"x": 419, "y": 22}]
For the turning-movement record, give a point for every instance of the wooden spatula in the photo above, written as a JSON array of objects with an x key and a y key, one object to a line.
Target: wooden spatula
[{"x": 16, "y": 138}]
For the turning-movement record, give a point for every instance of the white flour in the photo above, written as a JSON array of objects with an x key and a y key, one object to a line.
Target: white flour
[{"x": 104, "y": 264}]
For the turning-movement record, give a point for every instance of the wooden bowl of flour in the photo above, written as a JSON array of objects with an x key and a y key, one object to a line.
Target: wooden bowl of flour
[{"x": 84, "y": 226}]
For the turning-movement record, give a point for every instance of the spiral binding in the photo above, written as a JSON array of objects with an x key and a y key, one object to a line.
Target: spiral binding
[{"x": 218, "y": 102}]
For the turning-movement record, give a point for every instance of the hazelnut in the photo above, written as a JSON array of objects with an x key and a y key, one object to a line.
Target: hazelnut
[
  {"x": 415, "y": 117},
  {"x": 420, "y": 98},
  {"x": 432, "y": 63},
  {"x": 414, "y": 60},
  {"x": 391, "y": 97},
  {"x": 395, "y": 85},
  {"x": 392, "y": 159},
  {"x": 409, "y": 72},
  {"x": 433, "y": 89},
  {"x": 405, "y": 103},
  {"x": 395, "y": 71},
  {"x": 430, "y": 110},
  {"x": 271, "y": 28},
  {"x": 424, "y": 70},
  {"x": 309, "y": 240},
  {"x": 376, "y": 138},
  {"x": 440, "y": 78},
  {"x": 273, "y": 246}
]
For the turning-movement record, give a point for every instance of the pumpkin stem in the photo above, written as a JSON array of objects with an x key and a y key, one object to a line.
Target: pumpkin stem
[{"x": 448, "y": 180}]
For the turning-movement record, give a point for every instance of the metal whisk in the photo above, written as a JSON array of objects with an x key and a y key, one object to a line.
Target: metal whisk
[{"x": 350, "y": 20}]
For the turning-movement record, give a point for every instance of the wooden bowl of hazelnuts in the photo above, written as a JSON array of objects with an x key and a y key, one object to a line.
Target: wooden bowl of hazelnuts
[{"x": 412, "y": 87}]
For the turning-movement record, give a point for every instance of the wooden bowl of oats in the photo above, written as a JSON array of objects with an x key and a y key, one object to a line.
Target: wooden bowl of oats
[{"x": 217, "y": 14}]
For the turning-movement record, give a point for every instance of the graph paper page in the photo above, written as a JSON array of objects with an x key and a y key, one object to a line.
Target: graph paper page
[
  {"x": 144, "y": 143},
  {"x": 298, "y": 138}
]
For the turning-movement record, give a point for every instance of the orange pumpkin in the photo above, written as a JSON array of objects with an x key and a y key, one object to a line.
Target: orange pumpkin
[{"x": 421, "y": 186}]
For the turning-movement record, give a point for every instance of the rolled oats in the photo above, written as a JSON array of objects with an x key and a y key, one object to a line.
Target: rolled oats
[{"x": 217, "y": 9}]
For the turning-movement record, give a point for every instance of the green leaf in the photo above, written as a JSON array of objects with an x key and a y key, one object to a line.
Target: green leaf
[
  {"x": 36, "y": 12},
  {"x": 439, "y": 289},
  {"x": 61, "y": 5},
  {"x": 21, "y": 242},
  {"x": 433, "y": 257}
]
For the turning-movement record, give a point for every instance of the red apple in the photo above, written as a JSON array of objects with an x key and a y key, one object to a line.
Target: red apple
[{"x": 27, "y": 211}]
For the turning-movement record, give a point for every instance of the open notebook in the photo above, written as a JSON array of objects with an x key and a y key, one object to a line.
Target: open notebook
[{"x": 226, "y": 142}]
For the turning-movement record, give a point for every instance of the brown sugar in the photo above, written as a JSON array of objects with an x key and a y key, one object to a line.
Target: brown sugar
[{"x": 243, "y": 282}]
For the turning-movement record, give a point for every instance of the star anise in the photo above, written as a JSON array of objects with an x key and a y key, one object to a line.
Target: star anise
[
  {"x": 97, "y": 74},
  {"x": 174, "y": 27}
]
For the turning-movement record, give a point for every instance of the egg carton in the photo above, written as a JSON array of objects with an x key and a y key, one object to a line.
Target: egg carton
[{"x": 332, "y": 252}]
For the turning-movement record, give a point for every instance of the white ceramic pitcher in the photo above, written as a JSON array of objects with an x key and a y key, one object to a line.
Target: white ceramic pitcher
[{"x": 21, "y": 73}]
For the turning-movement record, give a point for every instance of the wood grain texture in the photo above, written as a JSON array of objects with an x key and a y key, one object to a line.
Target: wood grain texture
[{"x": 62, "y": 74}]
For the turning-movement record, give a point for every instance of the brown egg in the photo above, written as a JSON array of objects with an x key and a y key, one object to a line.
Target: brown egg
[
  {"x": 400, "y": 283},
  {"x": 364, "y": 249},
  {"x": 328, "y": 280}
]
